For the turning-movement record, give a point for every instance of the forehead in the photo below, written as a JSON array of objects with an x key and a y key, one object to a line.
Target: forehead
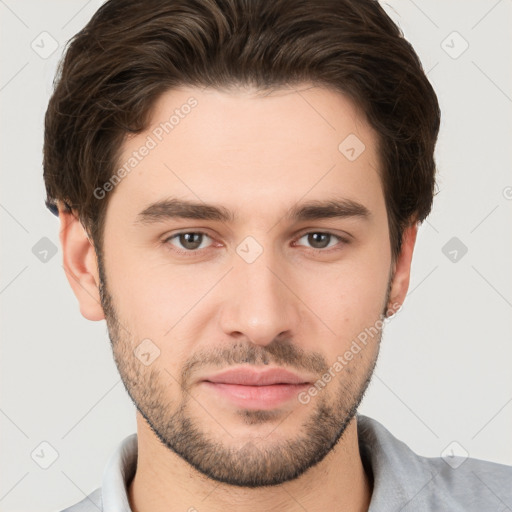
[{"x": 250, "y": 147}]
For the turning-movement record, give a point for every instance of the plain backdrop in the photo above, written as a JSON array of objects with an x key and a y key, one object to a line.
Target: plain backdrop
[{"x": 443, "y": 381}]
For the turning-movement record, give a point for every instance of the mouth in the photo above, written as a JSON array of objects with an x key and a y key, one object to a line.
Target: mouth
[
  {"x": 252, "y": 389},
  {"x": 244, "y": 376}
]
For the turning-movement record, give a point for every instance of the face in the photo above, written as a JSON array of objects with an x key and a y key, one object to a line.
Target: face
[{"x": 283, "y": 262}]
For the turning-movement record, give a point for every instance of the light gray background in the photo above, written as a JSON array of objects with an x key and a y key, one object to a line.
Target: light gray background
[{"x": 444, "y": 372}]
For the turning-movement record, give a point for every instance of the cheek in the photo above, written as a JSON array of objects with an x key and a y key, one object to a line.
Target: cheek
[
  {"x": 142, "y": 294},
  {"x": 158, "y": 300},
  {"x": 352, "y": 297},
  {"x": 352, "y": 303}
]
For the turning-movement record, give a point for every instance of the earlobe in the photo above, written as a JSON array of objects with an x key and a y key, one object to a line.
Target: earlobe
[
  {"x": 402, "y": 273},
  {"x": 80, "y": 265}
]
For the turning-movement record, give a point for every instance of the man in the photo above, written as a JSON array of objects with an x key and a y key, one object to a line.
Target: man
[{"x": 239, "y": 185}]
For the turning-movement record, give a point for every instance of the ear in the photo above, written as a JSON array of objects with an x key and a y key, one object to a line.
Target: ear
[
  {"x": 80, "y": 264},
  {"x": 402, "y": 269}
]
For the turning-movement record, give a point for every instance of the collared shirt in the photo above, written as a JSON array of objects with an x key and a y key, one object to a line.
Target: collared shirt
[{"x": 402, "y": 480}]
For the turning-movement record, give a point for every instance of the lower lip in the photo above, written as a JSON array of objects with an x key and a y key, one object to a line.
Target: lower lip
[{"x": 257, "y": 397}]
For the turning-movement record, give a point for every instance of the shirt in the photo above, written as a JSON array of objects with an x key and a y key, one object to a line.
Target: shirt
[{"x": 402, "y": 480}]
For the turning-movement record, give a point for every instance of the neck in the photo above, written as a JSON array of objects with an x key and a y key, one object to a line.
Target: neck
[{"x": 165, "y": 482}]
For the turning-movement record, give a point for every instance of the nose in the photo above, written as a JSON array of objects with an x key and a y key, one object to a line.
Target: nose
[{"x": 260, "y": 303}]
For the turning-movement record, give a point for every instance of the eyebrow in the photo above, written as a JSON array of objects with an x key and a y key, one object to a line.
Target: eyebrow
[{"x": 173, "y": 208}]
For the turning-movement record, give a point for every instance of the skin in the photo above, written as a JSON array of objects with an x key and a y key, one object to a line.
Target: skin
[{"x": 257, "y": 155}]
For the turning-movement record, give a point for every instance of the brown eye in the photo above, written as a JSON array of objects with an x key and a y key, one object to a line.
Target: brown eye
[
  {"x": 319, "y": 240},
  {"x": 189, "y": 241}
]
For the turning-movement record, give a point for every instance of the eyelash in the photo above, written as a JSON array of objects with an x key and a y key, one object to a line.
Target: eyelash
[{"x": 190, "y": 253}]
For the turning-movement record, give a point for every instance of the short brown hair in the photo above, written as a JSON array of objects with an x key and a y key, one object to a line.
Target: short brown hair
[{"x": 131, "y": 52}]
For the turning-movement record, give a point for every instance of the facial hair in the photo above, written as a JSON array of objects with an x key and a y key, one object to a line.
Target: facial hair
[{"x": 253, "y": 464}]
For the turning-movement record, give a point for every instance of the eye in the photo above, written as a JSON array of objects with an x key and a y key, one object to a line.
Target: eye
[
  {"x": 321, "y": 240},
  {"x": 191, "y": 241}
]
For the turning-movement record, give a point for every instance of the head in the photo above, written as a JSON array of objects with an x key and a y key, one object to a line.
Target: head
[{"x": 240, "y": 184}]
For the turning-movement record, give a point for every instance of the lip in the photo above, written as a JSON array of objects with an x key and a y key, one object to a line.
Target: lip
[
  {"x": 258, "y": 390},
  {"x": 251, "y": 377}
]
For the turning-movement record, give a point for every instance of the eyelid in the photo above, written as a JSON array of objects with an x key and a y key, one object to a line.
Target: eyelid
[{"x": 342, "y": 236}]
